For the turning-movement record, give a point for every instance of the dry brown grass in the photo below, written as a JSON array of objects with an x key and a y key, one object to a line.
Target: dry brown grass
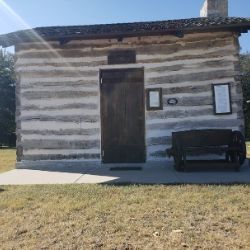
[
  {"x": 7, "y": 159},
  {"x": 125, "y": 217},
  {"x": 248, "y": 149}
]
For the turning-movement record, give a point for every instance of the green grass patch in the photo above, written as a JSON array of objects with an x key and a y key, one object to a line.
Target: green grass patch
[
  {"x": 124, "y": 217},
  {"x": 7, "y": 159}
]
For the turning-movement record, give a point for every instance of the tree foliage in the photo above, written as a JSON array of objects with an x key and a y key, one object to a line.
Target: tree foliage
[
  {"x": 7, "y": 99},
  {"x": 245, "y": 69}
]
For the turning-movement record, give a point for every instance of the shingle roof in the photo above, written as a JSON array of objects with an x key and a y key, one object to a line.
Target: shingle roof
[{"x": 176, "y": 27}]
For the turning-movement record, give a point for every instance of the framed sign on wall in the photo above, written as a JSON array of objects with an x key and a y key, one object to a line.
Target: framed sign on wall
[
  {"x": 154, "y": 99},
  {"x": 222, "y": 99}
]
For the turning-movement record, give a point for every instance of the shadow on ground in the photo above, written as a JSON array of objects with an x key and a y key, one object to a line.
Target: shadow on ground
[{"x": 156, "y": 173}]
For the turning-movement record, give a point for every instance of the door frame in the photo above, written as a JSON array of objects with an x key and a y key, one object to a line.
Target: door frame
[{"x": 143, "y": 99}]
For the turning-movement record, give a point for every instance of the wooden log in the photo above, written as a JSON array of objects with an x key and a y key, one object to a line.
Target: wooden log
[
  {"x": 76, "y": 53},
  {"x": 59, "y": 73},
  {"x": 152, "y": 49},
  {"x": 166, "y": 114},
  {"x": 57, "y": 125},
  {"x": 64, "y": 64},
  {"x": 184, "y": 84},
  {"x": 184, "y": 113},
  {"x": 175, "y": 58},
  {"x": 58, "y": 47},
  {"x": 60, "y": 144},
  {"x": 61, "y": 94},
  {"x": 193, "y": 89},
  {"x": 187, "y": 89},
  {"x": 201, "y": 65},
  {"x": 192, "y": 77},
  {"x": 62, "y": 132},
  {"x": 67, "y": 115},
  {"x": 197, "y": 100},
  {"x": 189, "y": 71},
  {"x": 64, "y": 80},
  {"x": 61, "y": 137},
  {"x": 61, "y": 101},
  {"x": 41, "y": 84},
  {"x": 87, "y": 106},
  {"x": 67, "y": 64},
  {"x": 190, "y": 101},
  {"x": 61, "y": 157},
  {"x": 103, "y": 43},
  {"x": 163, "y": 140},
  {"x": 59, "y": 89},
  {"x": 141, "y": 58},
  {"x": 63, "y": 118},
  {"x": 195, "y": 124},
  {"x": 86, "y": 61},
  {"x": 159, "y": 154}
]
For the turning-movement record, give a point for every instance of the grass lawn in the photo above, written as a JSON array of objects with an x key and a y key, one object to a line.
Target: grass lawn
[
  {"x": 248, "y": 149},
  {"x": 7, "y": 159},
  {"x": 124, "y": 217}
]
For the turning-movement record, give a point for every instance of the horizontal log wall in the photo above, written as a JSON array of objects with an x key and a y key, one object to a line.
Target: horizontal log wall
[
  {"x": 58, "y": 99},
  {"x": 188, "y": 76}
]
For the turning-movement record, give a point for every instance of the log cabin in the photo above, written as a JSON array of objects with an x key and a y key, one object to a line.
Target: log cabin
[{"x": 114, "y": 93}]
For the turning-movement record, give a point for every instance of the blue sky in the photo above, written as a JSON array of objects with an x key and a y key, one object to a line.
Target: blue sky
[{"x": 22, "y": 14}]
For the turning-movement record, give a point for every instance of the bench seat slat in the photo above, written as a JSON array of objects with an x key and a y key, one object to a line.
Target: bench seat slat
[{"x": 209, "y": 148}]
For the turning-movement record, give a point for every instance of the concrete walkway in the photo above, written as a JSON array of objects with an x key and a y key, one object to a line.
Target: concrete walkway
[{"x": 150, "y": 175}]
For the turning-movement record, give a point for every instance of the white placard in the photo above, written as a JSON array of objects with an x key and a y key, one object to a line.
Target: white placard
[
  {"x": 222, "y": 99},
  {"x": 154, "y": 99}
]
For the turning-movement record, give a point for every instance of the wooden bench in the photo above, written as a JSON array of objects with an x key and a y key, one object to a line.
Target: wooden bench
[{"x": 225, "y": 142}]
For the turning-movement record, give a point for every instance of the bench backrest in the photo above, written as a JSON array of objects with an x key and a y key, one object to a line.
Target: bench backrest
[{"x": 201, "y": 138}]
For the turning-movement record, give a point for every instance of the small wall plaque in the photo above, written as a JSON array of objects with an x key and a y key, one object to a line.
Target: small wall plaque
[
  {"x": 172, "y": 101},
  {"x": 154, "y": 99},
  {"x": 222, "y": 99}
]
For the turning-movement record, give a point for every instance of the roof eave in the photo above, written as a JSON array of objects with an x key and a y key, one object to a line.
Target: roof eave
[{"x": 7, "y": 40}]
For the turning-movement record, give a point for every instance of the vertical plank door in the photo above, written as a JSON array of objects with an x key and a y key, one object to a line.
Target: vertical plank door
[{"x": 122, "y": 115}]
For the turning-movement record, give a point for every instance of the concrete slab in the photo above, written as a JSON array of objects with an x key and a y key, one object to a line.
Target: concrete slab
[
  {"x": 155, "y": 174},
  {"x": 96, "y": 179},
  {"x": 147, "y": 175},
  {"x": 28, "y": 177}
]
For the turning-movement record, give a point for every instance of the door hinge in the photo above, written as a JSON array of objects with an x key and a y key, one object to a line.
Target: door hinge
[{"x": 101, "y": 80}]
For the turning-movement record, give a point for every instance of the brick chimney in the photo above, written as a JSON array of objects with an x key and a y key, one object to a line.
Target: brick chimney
[{"x": 214, "y": 8}]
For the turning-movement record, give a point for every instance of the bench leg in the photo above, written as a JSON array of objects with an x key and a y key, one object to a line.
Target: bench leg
[
  {"x": 227, "y": 157},
  {"x": 237, "y": 167},
  {"x": 184, "y": 161},
  {"x": 235, "y": 158},
  {"x": 178, "y": 162}
]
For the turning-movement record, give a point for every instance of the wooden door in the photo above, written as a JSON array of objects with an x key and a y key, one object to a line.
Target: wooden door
[{"x": 122, "y": 115}]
